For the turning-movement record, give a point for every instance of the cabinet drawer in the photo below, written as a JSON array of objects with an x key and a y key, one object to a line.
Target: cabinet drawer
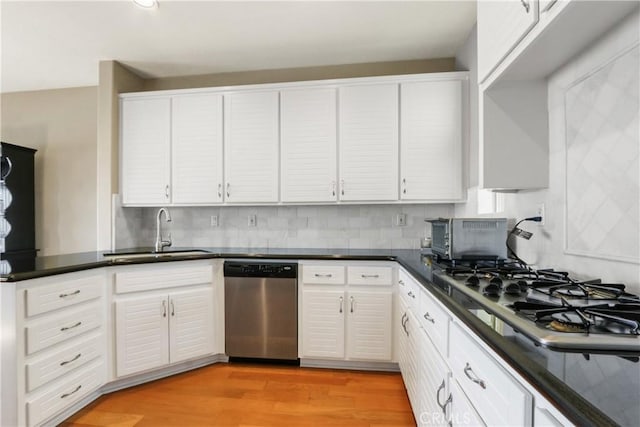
[
  {"x": 162, "y": 277},
  {"x": 434, "y": 320},
  {"x": 42, "y": 299},
  {"x": 54, "y": 329},
  {"x": 65, "y": 393},
  {"x": 59, "y": 362},
  {"x": 370, "y": 275},
  {"x": 323, "y": 274},
  {"x": 493, "y": 392}
]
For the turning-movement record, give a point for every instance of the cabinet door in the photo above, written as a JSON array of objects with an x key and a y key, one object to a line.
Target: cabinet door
[
  {"x": 433, "y": 380},
  {"x": 142, "y": 334},
  {"x": 501, "y": 25},
  {"x": 191, "y": 324},
  {"x": 431, "y": 145},
  {"x": 368, "y": 127},
  {"x": 308, "y": 136},
  {"x": 196, "y": 149},
  {"x": 323, "y": 323},
  {"x": 251, "y": 147},
  {"x": 145, "y": 144},
  {"x": 462, "y": 412},
  {"x": 369, "y": 325}
]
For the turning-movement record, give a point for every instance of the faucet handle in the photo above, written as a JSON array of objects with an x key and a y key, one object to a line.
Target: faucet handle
[{"x": 169, "y": 240}]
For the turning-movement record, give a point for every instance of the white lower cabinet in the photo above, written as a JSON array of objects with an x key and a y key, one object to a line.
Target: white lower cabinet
[
  {"x": 155, "y": 330},
  {"x": 433, "y": 378},
  {"x": 346, "y": 316},
  {"x": 462, "y": 411}
]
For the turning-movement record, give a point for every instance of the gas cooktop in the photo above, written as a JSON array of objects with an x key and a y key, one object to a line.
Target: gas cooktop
[{"x": 548, "y": 306}]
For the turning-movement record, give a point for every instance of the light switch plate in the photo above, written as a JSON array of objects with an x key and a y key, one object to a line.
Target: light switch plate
[
  {"x": 252, "y": 220},
  {"x": 214, "y": 221},
  {"x": 401, "y": 220}
]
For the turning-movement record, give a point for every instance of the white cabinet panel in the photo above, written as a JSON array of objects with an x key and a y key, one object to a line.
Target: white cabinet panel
[
  {"x": 145, "y": 127},
  {"x": 462, "y": 412},
  {"x": 142, "y": 334},
  {"x": 191, "y": 324},
  {"x": 251, "y": 147},
  {"x": 323, "y": 325},
  {"x": 501, "y": 25},
  {"x": 369, "y": 325},
  {"x": 431, "y": 140},
  {"x": 368, "y": 129},
  {"x": 54, "y": 296},
  {"x": 433, "y": 378},
  {"x": 308, "y": 138},
  {"x": 196, "y": 149},
  {"x": 323, "y": 274}
]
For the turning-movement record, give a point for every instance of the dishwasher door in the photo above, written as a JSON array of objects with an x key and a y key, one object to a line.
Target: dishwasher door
[{"x": 261, "y": 317}]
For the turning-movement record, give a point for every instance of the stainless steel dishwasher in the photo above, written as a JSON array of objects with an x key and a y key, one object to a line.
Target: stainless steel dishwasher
[{"x": 261, "y": 310}]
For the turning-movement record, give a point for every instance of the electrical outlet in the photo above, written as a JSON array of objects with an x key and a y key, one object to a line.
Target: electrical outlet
[
  {"x": 401, "y": 220},
  {"x": 252, "y": 221},
  {"x": 540, "y": 213},
  {"x": 214, "y": 221}
]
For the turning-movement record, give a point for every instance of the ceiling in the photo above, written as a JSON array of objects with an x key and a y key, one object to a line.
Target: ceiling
[{"x": 54, "y": 44}]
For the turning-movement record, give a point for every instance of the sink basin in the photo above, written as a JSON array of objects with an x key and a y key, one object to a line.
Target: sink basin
[{"x": 132, "y": 256}]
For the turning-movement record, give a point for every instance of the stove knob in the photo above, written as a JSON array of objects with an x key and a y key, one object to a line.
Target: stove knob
[{"x": 473, "y": 281}]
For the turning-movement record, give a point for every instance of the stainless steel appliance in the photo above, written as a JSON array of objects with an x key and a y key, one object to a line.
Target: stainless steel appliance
[
  {"x": 549, "y": 307},
  {"x": 471, "y": 238},
  {"x": 261, "y": 310}
]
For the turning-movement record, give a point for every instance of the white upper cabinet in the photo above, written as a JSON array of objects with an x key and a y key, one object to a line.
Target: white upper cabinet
[
  {"x": 368, "y": 129},
  {"x": 308, "y": 144},
  {"x": 431, "y": 129},
  {"x": 196, "y": 149},
  {"x": 501, "y": 25},
  {"x": 145, "y": 125},
  {"x": 251, "y": 147}
]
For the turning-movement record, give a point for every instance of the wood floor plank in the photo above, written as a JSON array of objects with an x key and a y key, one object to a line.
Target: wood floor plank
[{"x": 256, "y": 395}]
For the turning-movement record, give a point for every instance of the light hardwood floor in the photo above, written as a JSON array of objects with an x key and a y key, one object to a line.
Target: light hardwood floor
[{"x": 255, "y": 395}]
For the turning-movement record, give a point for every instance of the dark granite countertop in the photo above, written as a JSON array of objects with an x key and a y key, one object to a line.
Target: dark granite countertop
[{"x": 583, "y": 386}]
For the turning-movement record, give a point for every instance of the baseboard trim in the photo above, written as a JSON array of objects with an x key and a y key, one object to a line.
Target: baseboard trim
[{"x": 350, "y": 364}]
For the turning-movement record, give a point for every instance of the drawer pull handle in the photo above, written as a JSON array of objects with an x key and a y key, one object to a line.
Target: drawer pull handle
[
  {"x": 411, "y": 294},
  {"x": 66, "y": 328},
  {"x": 341, "y": 302},
  {"x": 400, "y": 282},
  {"x": 323, "y": 275},
  {"x": 428, "y": 317},
  {"x": 351, "y": 301},
  {"x": 442, "y": 406},
  {"x": 69, "y": 394},
  {"x": 474, "y": 378},
  {"x": 76, "y": 292},
  {"x": 66, "y": 362},
  {"x": 370, "y": 276},
  {"x": 525, "y": 4}
]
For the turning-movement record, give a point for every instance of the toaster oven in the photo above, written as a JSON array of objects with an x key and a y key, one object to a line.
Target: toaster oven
[{"x": 466, "y": 238}]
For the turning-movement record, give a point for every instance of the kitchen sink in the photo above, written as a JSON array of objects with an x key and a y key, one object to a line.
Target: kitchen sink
[{"x": 141, "y": 255}]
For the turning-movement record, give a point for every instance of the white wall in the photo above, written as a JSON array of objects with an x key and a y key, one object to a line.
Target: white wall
[{"x": 547, "y": 247}]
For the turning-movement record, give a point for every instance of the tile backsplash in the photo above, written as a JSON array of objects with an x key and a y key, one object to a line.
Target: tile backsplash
[{"x": 340, "y": 226}]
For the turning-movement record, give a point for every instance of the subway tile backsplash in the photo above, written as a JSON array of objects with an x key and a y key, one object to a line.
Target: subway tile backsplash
[{"x": 342, "y": 226}]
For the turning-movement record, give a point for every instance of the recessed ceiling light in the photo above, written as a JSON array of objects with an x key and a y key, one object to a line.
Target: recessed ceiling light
[{"x": 146, "y": 4}]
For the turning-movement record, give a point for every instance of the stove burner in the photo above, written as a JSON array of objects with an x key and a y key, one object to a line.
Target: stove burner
[
  {"x": 514, "y": 288},
  {"x": 496, "y": 281},
  {"x": 473, "y": 281},
  {"x": 559, "y": 326},
  {"x": 491, "y": 290}
]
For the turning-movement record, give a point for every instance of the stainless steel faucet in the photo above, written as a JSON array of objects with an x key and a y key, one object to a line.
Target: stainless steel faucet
[{"x": 160, "y": 244}]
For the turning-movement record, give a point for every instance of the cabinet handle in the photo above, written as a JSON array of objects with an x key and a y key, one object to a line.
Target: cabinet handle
[
  {"x": 69, "y": 394},
  {"x": 66, "y": 328},
  {"x": 400, "y": 282},
  {"x": 443, "y": 406},
  {"x": 9, "y": 167},
  {"x": 164, "y": 308},
  {"x": 406, "y": 331},
  {"x": 404, "y": 186},
  {"x": 76, "y": 292},
  {"x": 525, "y": 4},
  {"x": 66, "y": 362},
  {"x": 166, "y": 191},
  {"x": 474, "y": 378},
  {"x": 173, "y": 309},
  {"x": 323, "y": 275},
  {"x": 333, "y": 188},
  {"x": 411, "y": 294},
  {"x": 370, "y": 276},
  {"x": 341, "y": 302},
  {"x": 219, "y": 190},
  {"x": 351, "y": 301},
  {"x": 428, "y": 317},
  {"x": 228, "y": 192},
  {"x": 342, "y": 187}
]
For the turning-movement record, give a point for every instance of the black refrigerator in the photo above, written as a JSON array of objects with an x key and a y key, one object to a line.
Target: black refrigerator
[{"x": 17, "y": 207}]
